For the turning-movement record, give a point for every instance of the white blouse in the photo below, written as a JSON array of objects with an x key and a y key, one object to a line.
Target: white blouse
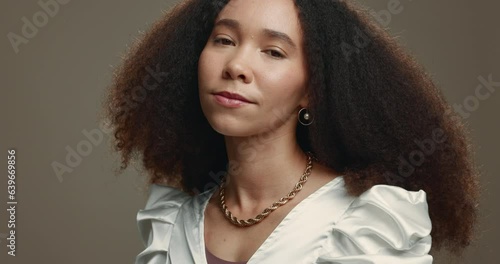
[{"x": 385, "y": 224}]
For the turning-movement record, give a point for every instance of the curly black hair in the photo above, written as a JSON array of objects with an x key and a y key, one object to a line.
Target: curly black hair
[{"x": 379, "y": 118}]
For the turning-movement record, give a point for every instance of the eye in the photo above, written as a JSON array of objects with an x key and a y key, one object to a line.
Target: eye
[
  {"x": 275, "y": 54},
  {"x": 222, "y": 41}
]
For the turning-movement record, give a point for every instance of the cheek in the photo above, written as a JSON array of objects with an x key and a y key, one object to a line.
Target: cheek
[
  {"x": 296, "y": 81},
  {"x": 289, "y": 85},
  {"x": 206, "y": 66},
  {"x": 204, "y": 76},
  {"x": 287, "y": 76},
  {"x": 288, "y": 91},
  {"x": 202, "y": 67}
]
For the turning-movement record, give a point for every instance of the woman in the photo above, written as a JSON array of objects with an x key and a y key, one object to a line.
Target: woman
[{"x": 289, "y": 132}]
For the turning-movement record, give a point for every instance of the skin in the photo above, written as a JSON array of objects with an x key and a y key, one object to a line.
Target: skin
[{"x": 265, "y": 159}]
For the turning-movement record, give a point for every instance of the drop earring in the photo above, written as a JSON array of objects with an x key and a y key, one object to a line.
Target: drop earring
[{"x": 304, "y": 117}]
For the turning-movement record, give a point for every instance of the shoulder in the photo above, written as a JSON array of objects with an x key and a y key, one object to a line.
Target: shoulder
[
  {"x": 165, "y": 197},
  {"x": 162, "y": 205},
  {"x": 385, "y": 224},
  {"x": 156, "y": 220}
]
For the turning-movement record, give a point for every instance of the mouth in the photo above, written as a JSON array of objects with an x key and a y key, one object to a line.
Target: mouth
[
  {"x": 233, "y": 96},
  {"x": 231, "y": 100}
]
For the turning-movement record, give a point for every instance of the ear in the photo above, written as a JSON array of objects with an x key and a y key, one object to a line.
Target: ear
[{"x": 304, "y": 102}]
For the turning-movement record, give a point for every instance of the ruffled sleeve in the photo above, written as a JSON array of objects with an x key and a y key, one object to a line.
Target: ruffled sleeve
[
  {"x": 386, "y": 224},
  {"x": 156, "y": 220}
]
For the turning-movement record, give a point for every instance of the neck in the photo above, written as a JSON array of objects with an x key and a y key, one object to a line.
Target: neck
[{"x": 262, "y": 170}]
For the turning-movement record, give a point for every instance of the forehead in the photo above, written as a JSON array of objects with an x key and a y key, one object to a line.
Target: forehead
[{"x": 255, "y": 15}]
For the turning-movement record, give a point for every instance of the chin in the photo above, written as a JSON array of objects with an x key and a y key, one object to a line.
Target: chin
[
  {"x": 227, "y": 124},
  {"x": 230, "y": 127},
  {"x": 231, "y": 130}
]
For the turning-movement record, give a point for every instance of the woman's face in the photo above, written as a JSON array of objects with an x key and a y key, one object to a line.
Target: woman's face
[{"x": 255, "y": 51}]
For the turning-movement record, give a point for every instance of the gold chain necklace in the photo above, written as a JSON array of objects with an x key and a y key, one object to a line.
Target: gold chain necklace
[{"x": 270, "y": 209}]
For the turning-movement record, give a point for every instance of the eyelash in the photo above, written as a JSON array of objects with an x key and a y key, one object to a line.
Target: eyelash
[{"x": 279, "y": 54}]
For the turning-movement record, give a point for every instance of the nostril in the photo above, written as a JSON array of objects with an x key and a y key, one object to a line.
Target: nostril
[
  {"x": 226, "y": 74},
  {"x": 237, "y": 71}
]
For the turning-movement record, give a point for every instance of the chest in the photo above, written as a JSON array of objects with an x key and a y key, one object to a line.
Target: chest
[
  {"x": 233, "y": 243},
  {"x": 294, "y": 235}
]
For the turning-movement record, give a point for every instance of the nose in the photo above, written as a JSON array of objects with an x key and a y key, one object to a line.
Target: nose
[{"x": 238, "y": 67}]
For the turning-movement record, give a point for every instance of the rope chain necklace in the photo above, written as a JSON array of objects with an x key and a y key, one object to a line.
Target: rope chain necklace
[{"x": 274, "y": 206}]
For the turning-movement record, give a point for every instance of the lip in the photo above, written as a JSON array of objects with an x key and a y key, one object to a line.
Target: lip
[{"x": 231, "y": 100}]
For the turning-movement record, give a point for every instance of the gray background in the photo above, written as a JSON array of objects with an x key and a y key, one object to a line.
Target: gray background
[{"x": 53, "y": 88}]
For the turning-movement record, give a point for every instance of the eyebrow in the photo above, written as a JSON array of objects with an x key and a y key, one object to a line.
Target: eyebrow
[{"x": 233, "y": 24}]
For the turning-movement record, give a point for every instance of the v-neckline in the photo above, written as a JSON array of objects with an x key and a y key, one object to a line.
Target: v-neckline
[{"x": 295, "y": 209}]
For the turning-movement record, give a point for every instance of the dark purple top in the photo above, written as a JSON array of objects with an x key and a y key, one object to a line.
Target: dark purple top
[{"x": 211, "y": 259}]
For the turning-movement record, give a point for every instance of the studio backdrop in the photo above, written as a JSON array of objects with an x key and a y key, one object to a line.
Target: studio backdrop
[{"x": 65, "y": 203}]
